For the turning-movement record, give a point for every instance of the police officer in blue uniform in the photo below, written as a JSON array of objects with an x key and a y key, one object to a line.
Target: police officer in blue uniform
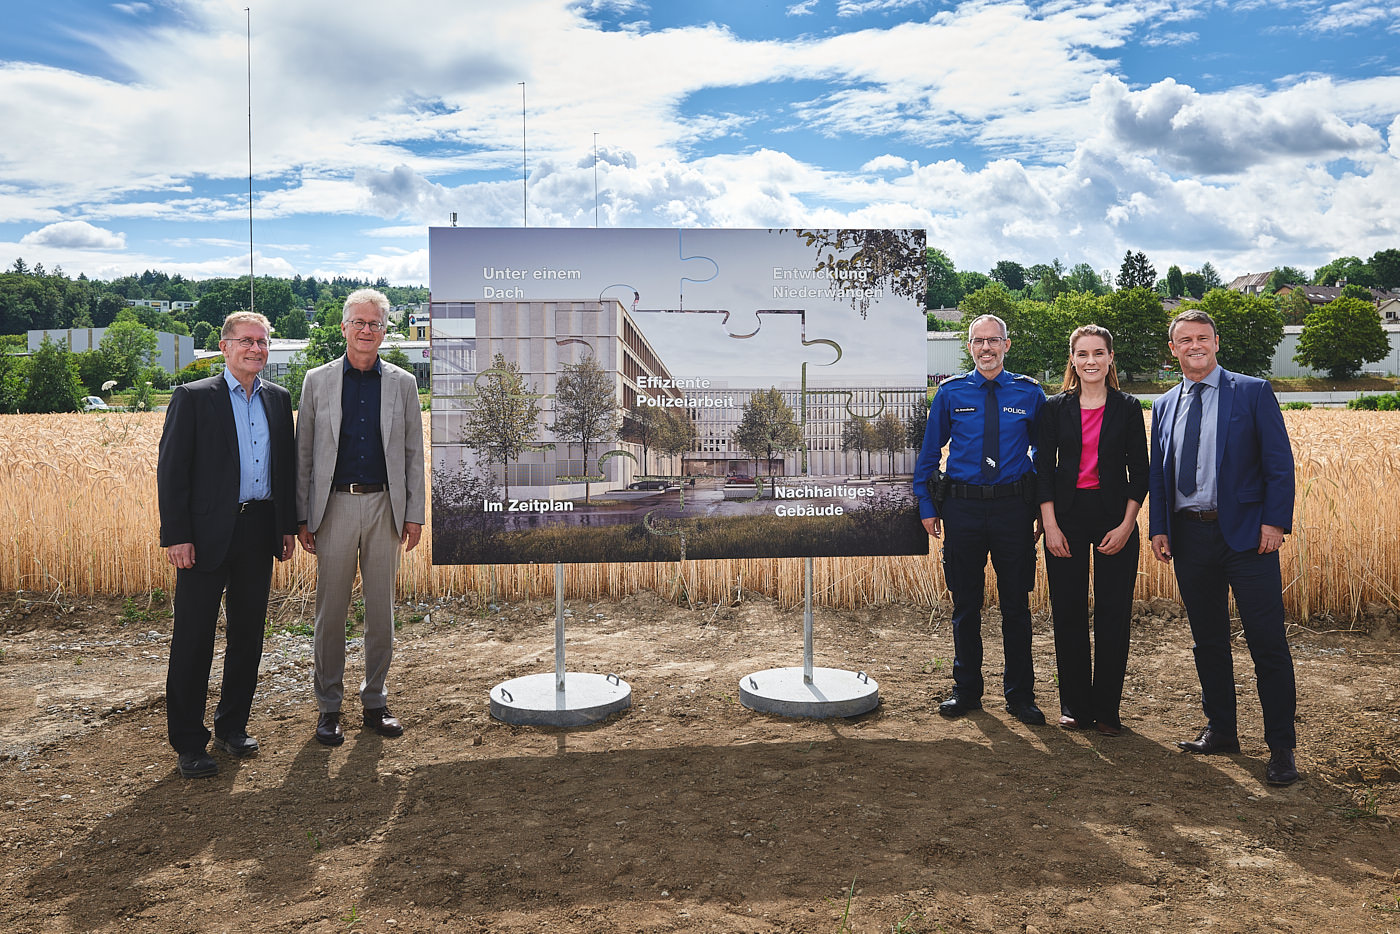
[{"x": 984, "y": 501}]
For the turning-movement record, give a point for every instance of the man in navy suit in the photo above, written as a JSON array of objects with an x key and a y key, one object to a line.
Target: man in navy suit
[
  {"x": 226, "y": 477},
  {"x": 1221, "y": 500}
]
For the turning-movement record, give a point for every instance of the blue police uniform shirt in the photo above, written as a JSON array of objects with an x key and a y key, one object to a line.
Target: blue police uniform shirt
[{"x": 957, "y": 415}]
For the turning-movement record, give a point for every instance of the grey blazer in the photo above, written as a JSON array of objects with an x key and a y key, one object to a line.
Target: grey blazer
[{"x": 318, "y": 442}]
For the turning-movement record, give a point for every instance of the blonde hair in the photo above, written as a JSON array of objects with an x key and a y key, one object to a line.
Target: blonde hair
[
  {"x": 244, "y": 317},
  {"x": 1071, "y": 382}
]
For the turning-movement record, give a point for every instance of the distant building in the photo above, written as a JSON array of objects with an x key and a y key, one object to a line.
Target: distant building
[
  {"x": 1252, "y": 283},
  {"x": 1324, "y": 294},
  {"x": 173, "y": 351}
]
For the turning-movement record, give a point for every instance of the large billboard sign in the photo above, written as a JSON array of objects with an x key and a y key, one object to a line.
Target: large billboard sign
[{"x": 653, "y": 394}]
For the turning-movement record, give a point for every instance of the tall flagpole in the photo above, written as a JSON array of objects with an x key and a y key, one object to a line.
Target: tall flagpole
[
  {"x": 524, "y": 164},
  {"x": 248, "y": 13},
  {"x": 595, "y": 179}
]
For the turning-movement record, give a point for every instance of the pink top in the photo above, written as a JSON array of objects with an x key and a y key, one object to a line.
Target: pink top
[{"x": 1090, "y": 424}]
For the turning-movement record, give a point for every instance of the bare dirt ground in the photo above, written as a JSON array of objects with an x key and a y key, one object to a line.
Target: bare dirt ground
[{"x": 687, "y": 812}]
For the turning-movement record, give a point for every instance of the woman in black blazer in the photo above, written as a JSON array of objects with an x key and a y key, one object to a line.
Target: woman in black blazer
[{"x": 1091, "y": 475}]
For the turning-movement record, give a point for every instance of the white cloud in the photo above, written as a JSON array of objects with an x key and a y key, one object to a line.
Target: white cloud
[
  {"x": 803, "y": 8},
  {"x": 74, "y": 235},
  {"x": 1225, "y": 133}
]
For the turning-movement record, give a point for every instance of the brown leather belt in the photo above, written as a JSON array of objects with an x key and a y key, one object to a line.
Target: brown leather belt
[
  {"x": 360, "y": 487},
  {"x": 1200, "y": 515}
]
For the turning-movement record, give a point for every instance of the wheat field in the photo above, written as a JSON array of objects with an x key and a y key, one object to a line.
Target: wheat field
[{"x": 78, "y": 499}]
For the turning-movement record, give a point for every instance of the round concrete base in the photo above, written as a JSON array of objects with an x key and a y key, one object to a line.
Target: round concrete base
[
  {"x": 832, "y": 693},
  {"x": 535, "y": 700}
]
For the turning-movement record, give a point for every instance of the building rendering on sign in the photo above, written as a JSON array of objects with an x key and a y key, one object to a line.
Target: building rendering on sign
[{"x": 540, "y": 338}]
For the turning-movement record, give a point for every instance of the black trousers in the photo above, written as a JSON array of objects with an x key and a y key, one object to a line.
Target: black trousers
[
  {"x": 1092, "y": 691},
  {"x": 1207, "y": 569},
  {"x": 242, "y": 582},
  {"x": 1004, "y": 529}
]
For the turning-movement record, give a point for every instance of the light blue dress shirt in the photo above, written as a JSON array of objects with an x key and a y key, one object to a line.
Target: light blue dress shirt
[
  {"x": 1205, "y": 498},
  {"x": 254, "y": 440}
]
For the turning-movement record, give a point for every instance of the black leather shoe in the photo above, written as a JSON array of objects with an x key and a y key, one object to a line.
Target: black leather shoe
[
  {"x": 1211, "y": 741},
  {"x": 328, "y": 731},
  {"x": 1028, "y": 713},
  {"x": 198, "y": 765},
  {"x": 237, "y": 744},
  {"x": 382, "y": 722},
  {"x": 958, "y": 705},
  {"x": 1281, "y": 770}
]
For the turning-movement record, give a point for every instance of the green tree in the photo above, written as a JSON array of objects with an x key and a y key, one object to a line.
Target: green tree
[
  {"x": 894, "y": 260},
  {"x": 972, "y": 281},
  {"x": 1349, "y": 268},
  {"x": 945, "y": 289},
  {"x": 1211, "y": 277},
  {"x": 503, "y": 420},
  {"x": 1341, "y": 337},
  {"x": 54, "y": 385},
  {"x": 293, "y": 325},
  {"x": 394, "y": 354},
  {"x": 643, "y": 425},
  {"x": 1195, "y": 284},
  {"x": 585, "y": 409},
  {"x": 1359, "y": 292},
  {"x": 1284, "y": 275},
  {"x": 200, "y": 333},
  {"x": 857, "y": 436},
  {"x": 129, "y": 347},
  {"x": 94, "y": 369},
  {"x": 1250, "y": 328},
  {"x": 767, "y": 426},
  {"x": 1138, "y": 323},
  {"x": 678, "y": 434},
  {"x": 1083, "y": 278},
  {"x": 1047, "y": 281},
  {"x": 14, "y": 382},
  {"x": 1294, "y": 306},
  {"x": 1385, "y": 265},
  {"x": 1176, "y": 282},
  {"x": 917, "y": 421},
  {"x": 1010, "y": 274},
  {"x": 889, "y": 435},
  {"x": 327, "y": 342},
  {"x": 1136, "y": 271}
]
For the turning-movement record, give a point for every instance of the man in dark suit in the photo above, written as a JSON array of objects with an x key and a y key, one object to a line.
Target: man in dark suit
[
  {"x": 227, "y": 487},
  {"x": 1220, "y": 502}
]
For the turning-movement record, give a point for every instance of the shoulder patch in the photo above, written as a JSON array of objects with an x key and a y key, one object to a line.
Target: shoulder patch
[{"x": 1026, "y": 379}]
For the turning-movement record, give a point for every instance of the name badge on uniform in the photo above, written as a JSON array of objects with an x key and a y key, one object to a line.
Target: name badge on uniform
[{"x": 965, "y": 409}]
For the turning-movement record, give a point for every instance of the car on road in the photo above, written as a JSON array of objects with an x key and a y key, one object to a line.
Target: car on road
[
  {"x": 94, "y": 404},
  {"x": 739, "y": 478},
  {"x": 647, "y": 485}
]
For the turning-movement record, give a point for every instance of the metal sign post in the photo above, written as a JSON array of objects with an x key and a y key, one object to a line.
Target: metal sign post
[
  {"x": 561, "y": 699},
  {"x": 809, "y": 691}
]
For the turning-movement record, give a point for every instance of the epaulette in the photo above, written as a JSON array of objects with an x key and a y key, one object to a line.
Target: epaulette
[
  {"x": 1030, "y": 379},
  {"x": 952, "y": 376}
]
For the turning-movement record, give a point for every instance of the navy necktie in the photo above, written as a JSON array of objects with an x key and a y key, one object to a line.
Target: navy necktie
[
  {"x": 991, "y": 433},
  {"x": 1190, "y": 443}
]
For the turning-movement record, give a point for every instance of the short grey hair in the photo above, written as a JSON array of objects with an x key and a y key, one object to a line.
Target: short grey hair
[
  {"x": 366, "y": 297},
  {"x": 244, "y": 317},
  {"x": 980, "y": 318}
]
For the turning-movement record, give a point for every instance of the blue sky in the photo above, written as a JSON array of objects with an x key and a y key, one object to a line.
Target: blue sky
[{"x": 1245, "y": 133}]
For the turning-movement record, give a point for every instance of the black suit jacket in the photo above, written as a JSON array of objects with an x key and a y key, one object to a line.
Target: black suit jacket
[
  {"x": 197, "y": 473},
  {"x": 1122, "y": 451}
]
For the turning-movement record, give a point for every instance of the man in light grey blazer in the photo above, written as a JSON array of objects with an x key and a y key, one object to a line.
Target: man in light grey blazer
[{"x": 360, "y": 503}]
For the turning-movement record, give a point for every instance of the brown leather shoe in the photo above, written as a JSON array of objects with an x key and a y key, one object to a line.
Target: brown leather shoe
[
  {"x": 383, "y": 722},
  {"x": 328, "y": 731},
  {"x": 1074, "y": 723},
  {"x": 1211, "y": 741}
]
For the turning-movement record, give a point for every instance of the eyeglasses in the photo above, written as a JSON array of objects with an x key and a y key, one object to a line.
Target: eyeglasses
[
  {"x": 358, "y": 325},
  {"x": 247, "y": 343},
  {"x": 986, "y": 341}
]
